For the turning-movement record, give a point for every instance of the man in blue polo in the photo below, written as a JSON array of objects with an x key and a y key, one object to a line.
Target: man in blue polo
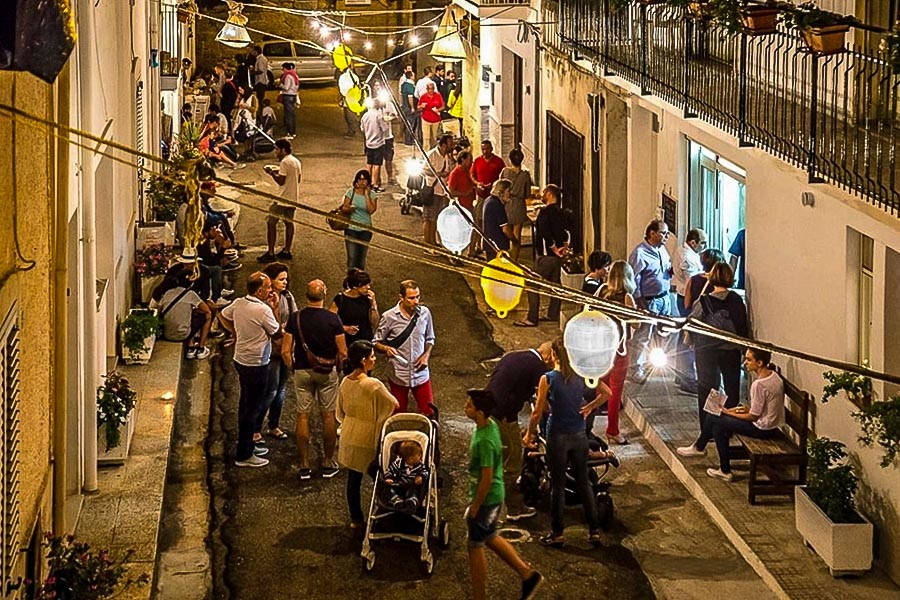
[{"x": 652, "y": 277}]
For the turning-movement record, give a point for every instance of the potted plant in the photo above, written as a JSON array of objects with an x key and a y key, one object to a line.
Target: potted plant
[
  {"x": 857, "y": 387},
  {"x": 78, "y": 573},
  {"x": 880, "y": 424},
  {"x": 139, "y": 331},
  {"x": 890, "y": 45},
  {"x": 823, "y": 32},
  {"x": 115, "y": 405},
  {"x": 825, "y": 514},
  {"x": 150, "y": 264},
  {"x": 168, "y": 190}
]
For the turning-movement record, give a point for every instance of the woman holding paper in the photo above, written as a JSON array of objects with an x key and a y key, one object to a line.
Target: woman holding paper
[{"x": 718, "y": 361}]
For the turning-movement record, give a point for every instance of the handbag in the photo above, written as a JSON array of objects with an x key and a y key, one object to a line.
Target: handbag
[
  {"x": 320, "y": 365},
  {"x": 336, "y": 219}
]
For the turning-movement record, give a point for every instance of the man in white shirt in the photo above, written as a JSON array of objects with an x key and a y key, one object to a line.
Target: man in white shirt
[
  {"x": 762, "y": 420},
  {"x": 375, "y": 129},
  {"x": 389, "y": 113},
  {"x": 260, "y": 77},
  {"x": 287, "y": 176},
  {"x": 423, "y": 82},
  {"x": 685, "y": 264},
  {"x": 252, "y": 321},
  {"x": 441, "y": 160}
]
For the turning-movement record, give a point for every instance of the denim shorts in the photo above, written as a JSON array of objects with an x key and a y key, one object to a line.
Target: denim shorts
[{"x": 483, "y": 527}]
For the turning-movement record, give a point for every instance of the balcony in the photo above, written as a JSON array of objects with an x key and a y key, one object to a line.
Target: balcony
[
  {"x": 505, "y": 9},
  {"x": 833, "y": 116}
]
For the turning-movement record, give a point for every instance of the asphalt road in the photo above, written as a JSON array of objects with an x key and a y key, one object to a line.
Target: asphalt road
[{"x": 275, "y": 537}]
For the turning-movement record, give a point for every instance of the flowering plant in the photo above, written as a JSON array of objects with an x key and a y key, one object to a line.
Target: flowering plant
[
  {"x": 858, "y": 387},
  {"x": 115, "y": 399},
  {"x": 153, "y": 260},
  {"x": 78, "y": 573}
]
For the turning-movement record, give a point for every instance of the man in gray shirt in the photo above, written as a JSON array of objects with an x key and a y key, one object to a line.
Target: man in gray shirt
[{"x": 375, "y": 129}]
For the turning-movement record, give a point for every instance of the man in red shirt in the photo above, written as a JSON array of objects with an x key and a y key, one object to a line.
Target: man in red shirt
[{"x": 485, "y": 171}]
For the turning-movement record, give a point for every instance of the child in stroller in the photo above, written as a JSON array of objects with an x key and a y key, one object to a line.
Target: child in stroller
[{"x": 405, "y": 477}]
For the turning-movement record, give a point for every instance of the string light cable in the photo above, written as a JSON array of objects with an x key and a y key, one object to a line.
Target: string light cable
[{"x": 470, "y": 267}]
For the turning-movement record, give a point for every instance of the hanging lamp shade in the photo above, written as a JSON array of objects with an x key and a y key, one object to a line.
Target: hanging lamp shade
[
  {"x": 502, "y": 290},
  {"x": 347, "y": 80},
  {"x": 234, "y": 33},
  {"x": 592, "y": 339},
  {"x": 454, "y": 225},
  {"x": 342, "y": 56},
  {"x": 354, "y": 98},
  {"x": 448, "y": 45}
]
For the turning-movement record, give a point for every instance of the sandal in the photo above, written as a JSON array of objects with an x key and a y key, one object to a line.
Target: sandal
[
  {"x": 553, "y": 540},
  {"x": 278, "y": 434}
]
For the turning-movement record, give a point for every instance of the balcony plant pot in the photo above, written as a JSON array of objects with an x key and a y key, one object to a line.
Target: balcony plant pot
[
  {"x": 825, "y": 40},
  {"x": 699, "y": 10},
  {"x": 136, "y": 328},
  {"x": 117, "y": 455},
  {"x": 845, "y": 547},
  {"x": 759, "y": 20}
]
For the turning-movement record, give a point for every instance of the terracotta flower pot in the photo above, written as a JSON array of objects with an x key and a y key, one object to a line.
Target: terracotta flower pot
[
  {"x": 759, "y": 20},
  {"x": 825, "y": 40}
]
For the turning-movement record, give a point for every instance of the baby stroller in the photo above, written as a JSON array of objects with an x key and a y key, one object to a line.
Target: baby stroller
[
  {"x": 386, "y": 523},
  {"x": 415, "y": 181},
  {"x": 534, "y": 482}
]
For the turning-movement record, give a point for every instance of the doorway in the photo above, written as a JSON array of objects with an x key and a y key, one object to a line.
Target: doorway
[
  {"x": 518, "y": 86},
  {"x": 717, "y": 192},
  {"x": 565, "y": 168}
]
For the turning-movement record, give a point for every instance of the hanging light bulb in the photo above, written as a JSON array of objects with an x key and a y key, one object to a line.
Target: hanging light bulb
[
  {"x": 315, "y": 24},
  {"x": 234, "y": 33},
  {"x": 390, "y": 42},
  {"x": 502, "y": 290},
  {"x": 413, "y": 39},
  {"x": 435, "y": 28},
  {"x": 592, "y": 340},
  {"x": 346, "y": 36},
  {"x": 454, "y": 225},
  {"x": 448, "y": 45},
  {"x": 367, "y": 45}
]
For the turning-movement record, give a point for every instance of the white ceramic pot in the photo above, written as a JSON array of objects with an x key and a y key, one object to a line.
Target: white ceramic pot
[
  {"x": 845, "y": 547},
  {"x": 140, "y": 358},
  {"x": 117, "y": 455}
]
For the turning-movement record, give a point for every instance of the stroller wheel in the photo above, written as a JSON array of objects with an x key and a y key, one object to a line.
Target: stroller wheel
[
  {"x": 368, "y": 562},
  {"x": 605, "y": 510},
  {"x": 404, "y": 206},
  {"x": 444, "y": 535},
  {"x": 428, "y": 564}
]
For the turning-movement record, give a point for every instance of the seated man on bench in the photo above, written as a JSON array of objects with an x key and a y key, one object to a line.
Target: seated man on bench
[{"x": 763, "y": 420}]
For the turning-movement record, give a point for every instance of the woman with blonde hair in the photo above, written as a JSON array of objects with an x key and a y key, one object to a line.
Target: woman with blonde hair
[{"x": 618, "y": 288}]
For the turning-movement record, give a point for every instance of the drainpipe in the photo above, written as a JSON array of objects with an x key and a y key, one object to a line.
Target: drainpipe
[
  {"x": 88, "y": 66},
  {"x": 60, "y": 310},
  {"x": 537, "y": 108}
]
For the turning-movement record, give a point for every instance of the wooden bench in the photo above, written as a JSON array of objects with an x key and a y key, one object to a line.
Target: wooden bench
[{"x": 780, "y": 459}]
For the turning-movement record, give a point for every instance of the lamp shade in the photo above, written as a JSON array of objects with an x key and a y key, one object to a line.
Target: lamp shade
[
  {"x": 234, "y": 33},
  {"x": 347, "y": 80},
  {"x": 502, "y": 290},
  {"x": 592, "y": 339},
  {"x": 448, "y": 44},
  {"x": 454, "y": 225},
  {"x": 354, "y": 99},
  {"x": 342, "y": 57}
]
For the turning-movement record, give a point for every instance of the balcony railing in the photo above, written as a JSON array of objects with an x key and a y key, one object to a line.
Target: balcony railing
[{"x": 833, "y": 116}]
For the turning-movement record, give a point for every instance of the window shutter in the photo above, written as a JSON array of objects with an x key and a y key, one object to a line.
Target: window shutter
[{"x": 9, "y": 448}]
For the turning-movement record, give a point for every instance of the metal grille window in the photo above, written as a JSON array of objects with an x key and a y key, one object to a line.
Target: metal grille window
[
  {"x": 140, "y": 145},
  {"x": 864, "y": 299},
  {"x": 9, "y": 449}
]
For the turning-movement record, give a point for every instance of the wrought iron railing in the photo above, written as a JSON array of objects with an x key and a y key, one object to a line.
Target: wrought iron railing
[{"x": 834, "y": 116}]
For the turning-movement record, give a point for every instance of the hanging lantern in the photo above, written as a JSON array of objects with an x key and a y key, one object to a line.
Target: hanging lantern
[
  {"x": 347, "y": 80},
  {"x": 502, "y": 290},
  {"x": 454, "y": 225},
  {"x": 234, "y": 33},
  {"x": 342, "y": 57},
  {"x": 448, "y": 45},
  {"x": 592, "y": 340},
  {"x": 355, "y": 98}
]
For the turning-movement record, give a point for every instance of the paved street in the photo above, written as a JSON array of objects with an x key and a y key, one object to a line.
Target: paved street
[{"x": 275, "y": 537}]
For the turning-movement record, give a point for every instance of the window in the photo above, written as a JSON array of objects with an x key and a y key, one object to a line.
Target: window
[
  {"x": 9, "y": 448},
  {"x": 278, "y": 50},
  {"x": 864, "y": 300},
  {"x": 717, "y": 192}
]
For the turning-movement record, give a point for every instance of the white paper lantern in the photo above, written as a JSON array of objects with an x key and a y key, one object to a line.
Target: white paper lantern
[
  {"x": 455, "y": 229},
  {"x": 346, "y": 81},
  {"x": 592, "y": 340}
]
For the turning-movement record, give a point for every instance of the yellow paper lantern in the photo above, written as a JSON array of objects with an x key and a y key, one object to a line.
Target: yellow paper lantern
[
  {"x": 354, "y": 99},
  {"x": 592, "y": 339},
  {"x": 342, "y": 57},
  {"x": 502, "y": 290}
]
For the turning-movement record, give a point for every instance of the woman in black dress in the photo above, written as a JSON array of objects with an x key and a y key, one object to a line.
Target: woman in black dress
[{"x": 356, "y": 307}]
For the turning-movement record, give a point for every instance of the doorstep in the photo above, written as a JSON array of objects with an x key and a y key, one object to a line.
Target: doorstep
[
  {"x": 764, "y": 534},
  {"x": 125, "y": 513}
]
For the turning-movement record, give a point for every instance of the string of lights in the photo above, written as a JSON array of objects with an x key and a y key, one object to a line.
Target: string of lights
[{"x": 469, "y": 267}]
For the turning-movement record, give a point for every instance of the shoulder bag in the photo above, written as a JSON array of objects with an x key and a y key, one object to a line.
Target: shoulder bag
[
  {"x": 318, "y": 365},
  {"x": 404, "y": 335}
]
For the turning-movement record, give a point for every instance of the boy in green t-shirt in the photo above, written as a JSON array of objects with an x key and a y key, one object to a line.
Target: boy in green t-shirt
[{"x": 486, "y": 499}]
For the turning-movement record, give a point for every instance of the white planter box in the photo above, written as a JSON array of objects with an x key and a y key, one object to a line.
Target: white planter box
[
  {"x": 140, "y": 358},
  {"x": 157, "y": 232},
  {"x": 148, "y": 284},
  {"x": 573, "y": 280},
  {"x": 117, "y": 455},
  {"x": 845, "y": 547}
]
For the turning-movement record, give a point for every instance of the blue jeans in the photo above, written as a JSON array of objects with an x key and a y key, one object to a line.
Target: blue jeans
[
  {"x": 720, "y": 428},
  {"x": 356, "y": 253},
  {"x": 641, "y": 338},
  {"x": 482, "y": 526},
  {"x": 684, "y": 358},
  {"x": 290, "y": 117},
  {"x": 254, "y": 387},
  {"x": 278, "y": 378},
  {"x": 564, "y": 449}
]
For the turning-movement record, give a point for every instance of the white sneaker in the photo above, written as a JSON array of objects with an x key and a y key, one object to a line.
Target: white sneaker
[
  {"x": 718, "y": 474},
  {"x": 191, "y": 353},
  {"x": 690, "y": 451},
  {"x": 253, "y": 461},
  {"x": 260, "y": 451},
  {"x": 201, "y": 353},
  {"x": 223, "y": 301},
  {"x": 226, "y": 293}
]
